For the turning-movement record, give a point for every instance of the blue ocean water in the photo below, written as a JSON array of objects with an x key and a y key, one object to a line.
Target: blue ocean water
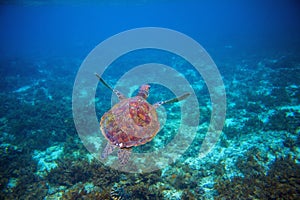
[{"x": 256, "y": 48}]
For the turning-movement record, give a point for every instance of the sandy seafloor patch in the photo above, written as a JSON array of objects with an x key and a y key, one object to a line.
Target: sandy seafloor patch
[{"x": 257, "y": 155}]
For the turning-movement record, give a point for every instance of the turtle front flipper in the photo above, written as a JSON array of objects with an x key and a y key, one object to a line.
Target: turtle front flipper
[
  {"x": 174, "y": 100},
  {"x": 123, "y": 155},
  {"x": 119, "y": 94}
]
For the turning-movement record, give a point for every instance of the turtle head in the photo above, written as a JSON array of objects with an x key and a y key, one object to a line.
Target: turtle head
[{"x": 144, "y": 91}]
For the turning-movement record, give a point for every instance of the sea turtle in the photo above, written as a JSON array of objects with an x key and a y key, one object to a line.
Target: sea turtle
[{"x": 131, "y": 122}]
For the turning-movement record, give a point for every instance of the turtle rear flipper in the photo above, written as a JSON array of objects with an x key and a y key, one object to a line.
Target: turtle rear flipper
[
  {"x": 123, "y": 155},
  {"x": 107, "y": 150},
  {"x": 119, "y": 94},
  {"x": 174, "y": 100}
]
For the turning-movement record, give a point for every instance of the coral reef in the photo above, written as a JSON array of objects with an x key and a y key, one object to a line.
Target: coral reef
[
  {"x": 18, "y": 178},
  {"x": 281, "y": 182},
  {"x": 106, "y": 183},
  {"x": 257, "y": 156}
]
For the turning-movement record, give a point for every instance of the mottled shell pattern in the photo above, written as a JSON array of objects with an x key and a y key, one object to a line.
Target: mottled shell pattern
[{"x": 131, "y": 122}]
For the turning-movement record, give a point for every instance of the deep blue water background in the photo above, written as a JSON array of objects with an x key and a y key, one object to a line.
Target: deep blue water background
[
  {"x": 73, "y": 29},
  {"x": 256, "y": 46}
]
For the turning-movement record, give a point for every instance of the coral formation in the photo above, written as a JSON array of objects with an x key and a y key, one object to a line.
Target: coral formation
[
  {"x": 281, "y": 182},
  {"x": 42, "y": 157}
]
